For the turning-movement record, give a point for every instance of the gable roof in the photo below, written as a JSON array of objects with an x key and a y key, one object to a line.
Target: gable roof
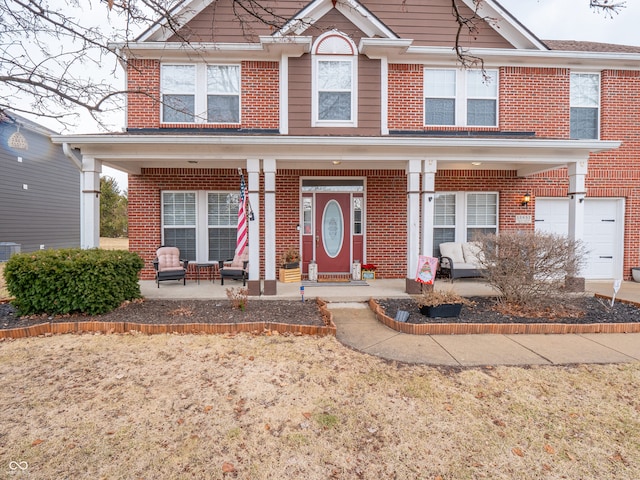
[
  {"x": 353, "y": 10},
  {"x": 498, "y": 19}
]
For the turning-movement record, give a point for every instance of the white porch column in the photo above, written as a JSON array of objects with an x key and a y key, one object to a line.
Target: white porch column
[
  {"x": 90, "y": 203},
  {"x": 253, "y": 171},
  {"x": 413, "y": 223},
  {"x": 429, "y": 168},
  {"x": 577, "y": 193},
  {"x": 270, "y": 278}
]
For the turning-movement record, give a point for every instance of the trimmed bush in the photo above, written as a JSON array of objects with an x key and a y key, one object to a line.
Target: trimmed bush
[{"x": 72, "y": 280}]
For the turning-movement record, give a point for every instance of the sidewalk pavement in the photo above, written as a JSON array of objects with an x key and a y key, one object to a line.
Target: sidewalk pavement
[{"x": 358, "y": 328}]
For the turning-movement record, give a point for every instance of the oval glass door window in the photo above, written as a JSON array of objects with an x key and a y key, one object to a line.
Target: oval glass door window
[{"x": 332, "y": 228}]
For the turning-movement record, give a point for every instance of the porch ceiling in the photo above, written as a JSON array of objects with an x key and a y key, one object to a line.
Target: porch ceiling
[{"x": 131, "y": 153}]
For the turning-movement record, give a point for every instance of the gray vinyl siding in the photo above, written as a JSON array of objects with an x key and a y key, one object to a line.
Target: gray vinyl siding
[{"x": 48, "y": 211}]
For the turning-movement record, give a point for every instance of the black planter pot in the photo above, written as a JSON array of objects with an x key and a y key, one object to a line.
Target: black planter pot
[
  {"x": 291, "y": 265},
  {"x": 445, "y": 310}
]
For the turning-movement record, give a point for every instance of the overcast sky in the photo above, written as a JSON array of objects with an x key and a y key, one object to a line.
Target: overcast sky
[
  {"x": 548, "y": 20},
  {"x": 575, "y": 20}
]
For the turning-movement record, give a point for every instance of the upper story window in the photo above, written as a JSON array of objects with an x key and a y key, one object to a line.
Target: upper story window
[
  {"x": 223, "y": 94},
  {"x": 334, "y": 81},
  {"x": 200, "y": 93},
  {"x": 585, "y": 105},
  {"x": 460, "y": 97},
  {"x": 178, "y": 93}
]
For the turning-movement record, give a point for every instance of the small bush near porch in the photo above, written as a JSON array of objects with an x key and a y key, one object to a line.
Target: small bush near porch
[
  {"x": 530, "y": 269},
  {"x": 72, "y": 280}
]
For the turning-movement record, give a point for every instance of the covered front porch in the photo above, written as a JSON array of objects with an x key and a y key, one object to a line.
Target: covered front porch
[{"x": 419, "y": 159}]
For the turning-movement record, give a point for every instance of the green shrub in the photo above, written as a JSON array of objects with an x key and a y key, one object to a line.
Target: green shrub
[{"x": 72, "y": 280}]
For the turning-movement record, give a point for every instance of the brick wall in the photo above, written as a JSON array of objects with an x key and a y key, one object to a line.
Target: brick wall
[
  {"x": 535, "y": 99},
  {"x": 143, "y": 109}
]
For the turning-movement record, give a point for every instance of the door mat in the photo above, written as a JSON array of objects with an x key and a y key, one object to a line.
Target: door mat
[
  {"x": 333, "y": 279},
  {"x": 351, "y": 283}
]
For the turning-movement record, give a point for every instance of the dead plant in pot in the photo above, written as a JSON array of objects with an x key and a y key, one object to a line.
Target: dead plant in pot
[
  {"x": 290, "y": 259},
  {"x": 445, "y": 303}
]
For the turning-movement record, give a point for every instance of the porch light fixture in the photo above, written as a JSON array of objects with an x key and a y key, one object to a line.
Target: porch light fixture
[
  {"x": 336, "y": 162},
  {"x": 526, "y": 198},
  {"x": 476, "y": 164}
]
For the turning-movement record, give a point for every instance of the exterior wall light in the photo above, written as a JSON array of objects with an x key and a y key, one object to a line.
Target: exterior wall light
[{"x": 526, "y": 198}]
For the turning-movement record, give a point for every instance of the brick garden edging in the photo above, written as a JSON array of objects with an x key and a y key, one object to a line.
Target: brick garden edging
[
  {"x": 502, "y": 328},
  {"x": 58, "y": 328}
]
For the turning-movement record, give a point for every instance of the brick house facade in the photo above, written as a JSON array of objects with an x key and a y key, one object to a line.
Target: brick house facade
[{"x": 363, "y": 140}]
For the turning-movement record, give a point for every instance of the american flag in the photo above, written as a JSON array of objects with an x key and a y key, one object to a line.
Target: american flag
[{"x": 243, "y": 231}]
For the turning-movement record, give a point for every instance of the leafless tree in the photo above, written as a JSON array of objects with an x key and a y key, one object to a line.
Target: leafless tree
[
  {"x": 49, "y": 49},
  {"x": 469, "y": 25}
]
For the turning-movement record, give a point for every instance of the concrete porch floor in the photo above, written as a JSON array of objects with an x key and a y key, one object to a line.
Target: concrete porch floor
[{"x": 379, "y": 288}]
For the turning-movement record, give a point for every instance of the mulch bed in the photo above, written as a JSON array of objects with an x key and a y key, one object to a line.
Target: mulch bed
[
  {"x": 594, "y": 310},
  {"x": 161, "y": 312}
]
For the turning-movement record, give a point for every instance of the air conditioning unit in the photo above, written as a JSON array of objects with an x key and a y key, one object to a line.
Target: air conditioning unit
[{"x": 7, "y": 249}]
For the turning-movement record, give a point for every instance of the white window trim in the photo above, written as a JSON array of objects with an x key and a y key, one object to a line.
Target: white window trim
[
  {"x": 461, "y": 97},
  {"x": 315, "y": 121},
  {"x": 461, "y": 214},
  {"x": 599, "y": 107},
  {"x": 201, "y": 93}
]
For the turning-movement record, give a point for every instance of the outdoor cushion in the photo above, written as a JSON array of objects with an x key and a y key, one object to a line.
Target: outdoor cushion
[
  {"x": 453, "y": 250},
  {"x": 169, "y": 259},
  {"x": 472, "y": 253}
]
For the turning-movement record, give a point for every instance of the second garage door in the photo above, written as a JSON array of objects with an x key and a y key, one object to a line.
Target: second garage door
[{"x": 603, "y": 231}]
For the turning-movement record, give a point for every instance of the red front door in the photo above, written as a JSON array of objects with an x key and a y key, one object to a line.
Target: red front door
[{"x": 333, "y": 232}]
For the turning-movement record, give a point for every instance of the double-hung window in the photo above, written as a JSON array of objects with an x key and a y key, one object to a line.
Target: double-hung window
[
  {"x": 223, "y": 94},
  {"x": 585, "y": 105},
  {"x": 334, "y": 81},
  {"x": 203, "y": 225},
  {"x": 199, "y": 93},
  {"x": 179, "y": 225},
  {"x": 461, "y": 216},
  {"x": 178, "y": 84},
  {"x": 222, "y": 224},
  {"x": 460, "y": 97}
]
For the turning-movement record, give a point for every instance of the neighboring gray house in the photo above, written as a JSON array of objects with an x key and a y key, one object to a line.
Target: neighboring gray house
[{"x": 39, "y": 189}]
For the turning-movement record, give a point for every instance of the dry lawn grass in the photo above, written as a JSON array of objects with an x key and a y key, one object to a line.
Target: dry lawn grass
[
  {"x": 107, "y": 243},
  {"x": 273, "y": 407}
]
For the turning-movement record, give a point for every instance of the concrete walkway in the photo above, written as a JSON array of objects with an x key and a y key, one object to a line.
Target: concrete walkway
[{"x": 358, "y": 328}]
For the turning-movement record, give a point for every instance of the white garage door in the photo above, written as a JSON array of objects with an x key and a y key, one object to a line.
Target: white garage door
[{"x": 603, "y": 231}]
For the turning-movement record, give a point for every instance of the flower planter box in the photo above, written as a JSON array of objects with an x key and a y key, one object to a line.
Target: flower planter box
[
  {"x": 368, "y": 275},
  {"x": 443, "y": 311},
  {"x": 289, "y": 275}
]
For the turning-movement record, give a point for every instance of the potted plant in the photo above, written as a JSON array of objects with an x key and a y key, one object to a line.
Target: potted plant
[
  {"x": 290, "y": 266},
  {"x": 369, "y": 271},
  {"x": 441, "y": 303},
  {"x": 290, "y": 259},
  {"x": 635, "y": 273}
]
